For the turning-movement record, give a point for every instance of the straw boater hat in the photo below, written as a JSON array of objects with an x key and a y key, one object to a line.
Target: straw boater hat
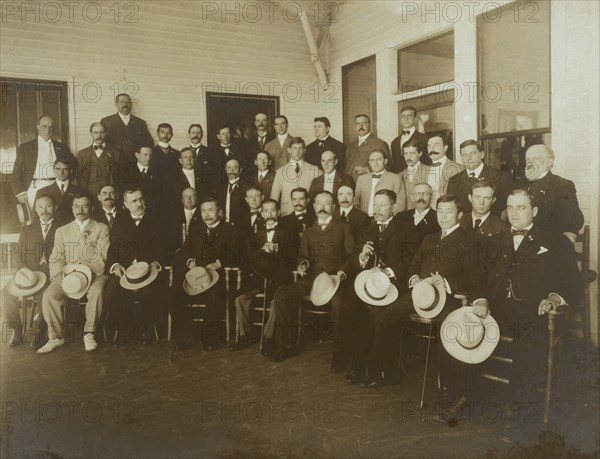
[
  {"x": 323, "y": 288},
  {"x": 138, "y": 275},
  {"x": 428, "y": 299},
  {"x": 77, "y": 279},
  {"x": 24, "y": 213},
  {"x": 374, "y": 287},
  {"x": 199, "y": 279},
  {"x": 469, "y": 338},
  {"x": 26, "y": 282}
]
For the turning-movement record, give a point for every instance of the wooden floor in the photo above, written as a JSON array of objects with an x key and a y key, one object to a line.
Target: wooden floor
[{"x": 132, "y": 402}]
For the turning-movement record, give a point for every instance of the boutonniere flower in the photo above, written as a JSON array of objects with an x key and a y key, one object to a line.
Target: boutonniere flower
[
  {"x": 542, "y": 250},
  {"x": 529, "y": 237},
  {"x": 543, "y": 191},
  {"x": 86, "y": 232}
]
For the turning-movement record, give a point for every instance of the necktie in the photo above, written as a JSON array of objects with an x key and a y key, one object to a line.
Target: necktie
[
  {"x": 261, "y": 140},
  {"x": 209, "y": 231},
  {"x": 45, "y": 227},
  {"x": 376, "y": 176},
  {"x": 516, "y": 232},
  {"x": 98, "y": 147},
  {"x": 300, "y": 217},
  {"x": 477, "y": 224},
  {"x": 196, "y": 150},
  {"x": 472, "y": 177},
  {"x": 62, "y": 188},
  {"x": 110, "y": 218},
  {"x": 260, "y": 178},
  {"x": 405, "y": 132},
  {"x": 297, "y": 168},
  {"x": 382, "y": 227},
  {"x": 136, "y": 220},
  {"x": 321, "y": 143},
  {"x": 226, "y": 150},
  {"x": 323, "y": 225},
  {"x": 144, "y": 173},
  {"x": 444, "y": 234},
  {"x": 232, "y": 187},
  {"x": 437, "y": 164},
  {"x": 344, "y": 216}
]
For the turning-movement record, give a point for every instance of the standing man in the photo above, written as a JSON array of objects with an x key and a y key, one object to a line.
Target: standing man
[
  {"x": 331, "y": 180},
  {"x": 261, "y": 136},
  {"x": 408, "y": 119},
  {"x": 441, "y": 168},
  {"x": 357, "y": 159},
  {"x": 83, "y": 241},
  {"x": 97, "y": 164},
  {"x": 143, "y": 176},
  {"x": 260, "y": 174},
  {"x": 125, "y": 132},
  {"x": 324, "y": 142},
  {"x": 278, "y": 148},
  {"x": 205, "y": 163},
  {"x": 186, "y": 175},
  {"x": 107, "y": 212},
  {"x": 34, "y": 164},
  {"x": 346, "y": 212},
  {"x": 415, "y": 171},
  {"x": 227, "y": 150},
  {"x": 379, "y": 179},
  {"x": 423, "y": 219},
  {"x": 231, "y": 194},
  {"x": 62, "y": 192},
  {"x": 294, "y": 174},
  {"x": 165, "y": 158},
  {"x": 480, "y": 222}
]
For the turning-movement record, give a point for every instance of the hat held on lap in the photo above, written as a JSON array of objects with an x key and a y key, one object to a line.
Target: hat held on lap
[
  {"x": 374, "y": 287},
  {"x": 199, "y": 279},
  {"x": 77, "y": 279},
  {"x": 323, "y": 288},
  {"x": 138, "y": 275},
  {"x": 26, "y": 282},
  {"x": 428, "y": 299}
]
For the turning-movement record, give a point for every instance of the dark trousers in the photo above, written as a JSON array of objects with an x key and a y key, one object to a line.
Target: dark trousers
[{"x": 356, "y": 325}]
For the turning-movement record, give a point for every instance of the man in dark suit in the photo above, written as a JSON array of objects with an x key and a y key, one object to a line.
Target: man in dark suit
[
  {"x": 331, "y": 180},
  {"x": 453, "y": 258},
  {"x": 33, "y": 251},
  {"x": 213, "y": 247},
  {"x": 422, "y": 218},
  {"x": 556, "y": 197},
  {"x": 480, "y": 222},
  {"x": 165, "y": 158},
  {"x": 302, "y": 217},
  {"x": 325, "y": 142},
  {"x": 108, "y": 212},
  {"x": 137, "y": 237},
  {"x": 141, "y": 175},
  {"x": 260, "y": 174},
  {"x": 227, "y": 149},
  {"x": 125, "y": 132},
  {"x": 534, "y": 270},
  {"x": 97, "y": 164},
  {"x": 475, "y": 170},
  {"x": 33, "y": 165},
  {"x": 346, "y": 212},
  {"x": 62, "y": 192},
  {"x": 231, "y": 194},
  {"x": 357, "y": 157},
  {"x": 186, "y": 175},
  {"x": 251, "y": 220},
  {"x": 408, "y": 118},
  {"x": 205, "y": 163},
  {"x": 415, "y": 172},
  {"x": 259, "y": 138},
  {"x": 324, "y": 247},
  {"x": 186, "y": 219}
]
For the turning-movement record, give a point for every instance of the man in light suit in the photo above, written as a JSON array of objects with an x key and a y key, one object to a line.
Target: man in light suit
[
  {"x": 480, "y": 222},
  {"x": 61, "y": 192},
  {"x": 380, "y": 179},
  {"x": 97, "y": 163},
  {"x": 278, "y": 148},
  {"x": 331, "y": 180},
  {"x": 33, "y": 168},
  {"x": 441, "y": 168},
  {"x": 125, "y": 132},
  {"x": 415, "y": 171},
  {"x": 357, "y": 158},
  {"x": 325, "y": 142},
  {"x": 81, "y": 241},
  {"x": 296, "y": 173},
  {"x": 408, "y": 117}
]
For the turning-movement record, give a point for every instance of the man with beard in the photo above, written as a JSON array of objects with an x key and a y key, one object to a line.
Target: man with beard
[
  {"x": 97, "y": 163},
  {"x": 259, "y": 138},
  {"x": 165, "y": 158},
  {"x": 355, "y": 218},
  {"x": 107, "y": 212},
  {"x": 357, "y": 159}
]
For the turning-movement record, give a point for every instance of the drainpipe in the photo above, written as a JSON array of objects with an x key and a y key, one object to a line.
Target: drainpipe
[{"x": 314, "y": 51}]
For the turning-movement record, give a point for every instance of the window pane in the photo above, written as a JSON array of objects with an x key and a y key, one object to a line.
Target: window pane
[
  {"x": 359, "y": 95},
  {"x": 514, "y": 68},
  {"x": 51, "y": 104},
  {"x": 8, "y": 125},
  {"x": 426, "y": 64},
  {"x": 28, "y": 111}
]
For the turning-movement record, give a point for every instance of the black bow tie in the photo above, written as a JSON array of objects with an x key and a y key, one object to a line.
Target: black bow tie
[
  {"x": 300, "y": 216},
  {"x": 382, "y": 227},
  {"x": 321, "y": 143},
  {"x": 137, "y": 219},
  {"x": 436, "y": 164},
  {"x": 270, "y": 230},
  {"x": 256, "y": 212},
  {"x": 516, "y": 232},
  {"x": 98, "y": 147},
  {"x": 376, "y": 176},
  {"x": 405, "y": 132}
]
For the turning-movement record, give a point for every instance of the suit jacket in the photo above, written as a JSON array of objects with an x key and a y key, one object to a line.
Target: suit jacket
[
  {"x": 388, "y": 181},
  {"x": 247, "y": 229},
  {"x": 26, "y": 163},
  {"x": 179, "y": 182},
  {"x": 286, "y": 180},
  {"x": 93, "y": 171},
  {"x": 557, "y": 203},
  {"x": 175, "y": 235},
  {"x": 359, "y": 156},
  {"x": 460, "y": 185},
  {"x": 100, "y": 216},
  {"x": 143, "y": 242},
  {"x": 408, "y": 183},
  {"x": 394, "y": 248},
  {"x": 327, "y": 250},
  {"x": 72, "y": 246},
  {"x": 398, "y": 161},
  {"x": 152, "y": 186},
  {"x": 544, "y": 263},
  {"x": 314, "y": 150},
  {"x": 126, "y": 139},
  {"x": 457, "y": 258},
  {"x": 253, "y": 146},
  {"x": 237, "y": 202},
  {"x": 279, "y": 154},
  {"x": 237, "y": 150},
  {"x": 165, "y": 163},
  {"x": 292, "y": 224},
  {"x": 355, "y": 218},
  {"x": 250, "y": 176},
  {"x": 33, "y": 250},
  {"x": 64, "y": 203},
  {"x": 491, "y": 226},
  {"x": 427, "y": 225},
  {"x": 442, "y": 176},
  {"x": 340, "y": 179}
]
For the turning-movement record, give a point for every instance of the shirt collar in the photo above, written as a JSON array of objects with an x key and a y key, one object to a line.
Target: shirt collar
[
  {"x": 189, "y": 211},
  {"x": 484, "y": 218},
  {"x": 61, "y": 182},
  {"x": 111, "y": 211},
  {"x": 417, "y": 213},
  {"x": 364, "y": 137},
  {"x": 141, "y": 168},
  {"x": 300, "y": 213},
  {"x": 527, "y": 228},
  {"x": 283, "y": 136},
  {"x": 411, "y": 131},
  {"x": 125, "y": 118},
  {"x": 195, "y": 146},
  {"x": 82, "y": 225},
  {"x": 326, "y": 221},
  {"x": 413, "y": 169},
  {"x": 331, "y": 175},
  {"x": 41, "y": 140},
  {"x": 386, "y": 222},
  {"x": 323, "y": 139},
  {"x": 347, "y": 210},
  {"x": 48, "y": 222},
  {"x": 214, "y": 226},
  {"x": 163, "y": 144},
  {"x": 452, "y": 229},
  {"x": 476, "y": 171}
]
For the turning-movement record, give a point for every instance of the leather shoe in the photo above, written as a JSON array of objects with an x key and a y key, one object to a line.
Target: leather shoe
[
  {"x": 51, "y": 345},
  {"x": 243, "y": 343},
  {"x": 355, "y": 375},
  {"x": 89, "y": 342},
  {"x": 17, "y": 337},
  {"x": 267, "y": 349},
  {"x": 209, "y": 347},
  {"x": 281, "y": 354},
  {"x": 339, "y": 362},
  {"x": 380, "y": 378},
  {"x": 330, "y": 338},
  {"x": 38, "y": 340}
]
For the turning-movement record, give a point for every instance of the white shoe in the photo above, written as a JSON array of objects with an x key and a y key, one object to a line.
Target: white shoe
[
  {"x": 90, "y": 342},
  {"x": 50, "y": 345}
]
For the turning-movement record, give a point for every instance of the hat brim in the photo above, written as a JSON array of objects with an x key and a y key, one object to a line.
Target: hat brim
[
  {"x": 359, "y": 288},
  {"x": 435, "y": 311},
  {"x": 478, "y": 354},
  {"x": 79, "y": 267},
  {"x": 19, "y": 292},
  {"x": 321, "y": 298},
  {"x": 187, "y": 288},
  {"x": 124, "y": 282}
]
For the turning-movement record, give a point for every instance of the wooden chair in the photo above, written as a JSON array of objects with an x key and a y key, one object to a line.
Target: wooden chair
[
  {"x": 307, "y": 307},
  {"x": 260, "y": 307}
]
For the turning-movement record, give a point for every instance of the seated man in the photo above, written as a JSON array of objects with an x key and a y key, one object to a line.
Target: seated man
[
  {"x": 108, "y": 212},
  {"x": 271, "y": 253},
  {"x": 423, "y": 219},
  {"x": 346, "y": 212},
  {"x": 324, "y": 247},
  {"x": 82, "y": 241},
  {"x": 251, "y": 221},
  {"x": 137, "y": 237},
  {"x": 480, "y": 222},
  {"x": 212, "y": 247},
  {"x": 302, "y": 217},
  {"x": 33, "y": 252}
]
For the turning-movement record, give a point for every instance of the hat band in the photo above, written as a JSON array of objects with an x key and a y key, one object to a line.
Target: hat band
[
  {"x": 476, "y": 344},
  {"x": 373, "y": 297},
  {"x": 435, "y": 301},
  {"x": 139, "y": 280},
  {"x": 24, "y": 287}
]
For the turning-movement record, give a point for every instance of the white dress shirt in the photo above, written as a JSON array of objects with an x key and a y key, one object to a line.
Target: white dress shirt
[
  {"x": 125, "y": 118},
  {"x": 282, "y": 138},
  {"x": 191, "y": 178},
  {"x": 361, "y": 139},
  {"x": 329, "y": 181}
]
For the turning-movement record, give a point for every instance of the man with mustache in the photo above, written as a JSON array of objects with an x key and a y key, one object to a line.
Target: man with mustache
[
  {"x": 415, "y": 170},
  {"x": 324, "y": 142},
  {"x": 108, "y": 212},
  {"x": 423, "y": 219},
  {"x": 331, "y": 180},
  {"x": 408, "y": 121},
  {"x": 354, "y": 217},
  {"x": 82, "y": 241},
  {"x": 62, "y": 192},
  {"x": 357, "y": 159},
  {"x": 97, "y": 163},
  {"x": 324, "y": 247},
  {"x": 165, "y": 158},
  {"x": 231, "y": 195},
  {"x": 125, "y": 132},
  {"x": 261, "y": 136},
  {"x": 441, "y": 168},
  {"x": 302, "y": 217}
]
